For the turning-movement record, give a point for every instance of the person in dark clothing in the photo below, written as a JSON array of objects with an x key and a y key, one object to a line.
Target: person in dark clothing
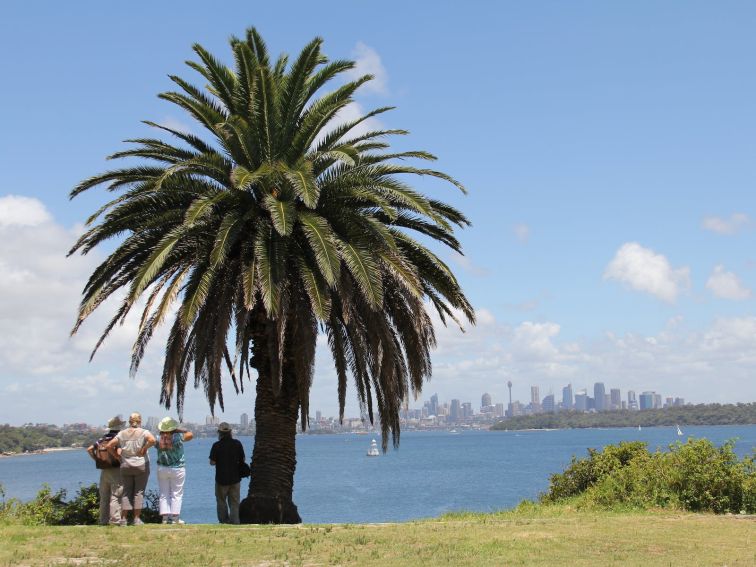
[
  {"x": 227, "y": 456},
  {"x": 111, "y": 486}
]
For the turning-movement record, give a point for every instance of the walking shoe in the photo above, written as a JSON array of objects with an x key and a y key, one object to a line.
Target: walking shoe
[
  {"x": 167, "y": 520},
  {"x": 138, "y": 522},
  {"x": 177, "y": 521}
]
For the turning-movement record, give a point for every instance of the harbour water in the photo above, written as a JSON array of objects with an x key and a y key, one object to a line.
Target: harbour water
[{"x": 432, "y": 472}]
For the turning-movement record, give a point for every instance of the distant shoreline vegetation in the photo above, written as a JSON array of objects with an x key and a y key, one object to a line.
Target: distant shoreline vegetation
[
  {"x": 702, "y": 414},
  {"x": 38, "y": 438}
]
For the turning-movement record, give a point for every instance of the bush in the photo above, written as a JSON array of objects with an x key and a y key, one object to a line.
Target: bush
[
  {"x": 51, "y": 509},
  {"x": 695, "y": 476}
]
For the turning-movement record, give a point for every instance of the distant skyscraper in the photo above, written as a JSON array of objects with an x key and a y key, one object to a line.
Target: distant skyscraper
[
  {"x": 581, "y": 400},
  {"x": 567, "y": 401},
  {"x": 598, "y": 395},
  {"x": 499, "y": 410},
  {"x": 646, "y": 400},
  {"x": 657, "y": 401},
  {"x": 467, "y": 410},
  {"x": 632, "y": 402},
  {"x": 616, "y": 398},
  {"x": 455, "y": 410},
  {"x": 679, "y": 402},
  {"x": 433, "y": 409},
  {"x": 509, "y": 408},
  {"x": 244, "y": 420},
  {"x": 548, "y": 404},
  {"x": 485, "y": 400},
  {"x": 535, "y": 396},
  {"x": 318, "y": 416}
]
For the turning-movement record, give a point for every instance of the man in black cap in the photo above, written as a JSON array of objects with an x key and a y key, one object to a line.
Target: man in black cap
[{"x": 227, "y": 456}]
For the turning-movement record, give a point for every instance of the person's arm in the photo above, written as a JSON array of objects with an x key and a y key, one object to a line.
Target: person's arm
[
  {"x": 188, "y": 436},
  {"x": 149, "y": 441},
  {"x": 90, "y": 451},
  {"x": 212, "y": 455},
  {"x": 112, "y": 444}
]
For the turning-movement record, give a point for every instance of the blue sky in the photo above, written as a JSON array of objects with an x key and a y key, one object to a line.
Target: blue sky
[{"x": 607, "y": 148}]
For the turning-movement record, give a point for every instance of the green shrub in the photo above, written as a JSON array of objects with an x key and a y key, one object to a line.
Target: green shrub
[
  {"x": 51, "y": 509},
  {"x": 695, "y": 476}
]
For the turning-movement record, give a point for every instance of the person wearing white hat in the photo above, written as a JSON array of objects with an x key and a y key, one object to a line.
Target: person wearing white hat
[
  {"x": 111, "y": 487},
  {"x": 171, "y": 468}
]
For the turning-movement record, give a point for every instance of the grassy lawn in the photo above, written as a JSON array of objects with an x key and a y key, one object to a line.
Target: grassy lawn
[{"x": 531, "y": 537}]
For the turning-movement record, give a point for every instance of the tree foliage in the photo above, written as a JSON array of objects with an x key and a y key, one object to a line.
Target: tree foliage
[{"x": 279, "y": 221}]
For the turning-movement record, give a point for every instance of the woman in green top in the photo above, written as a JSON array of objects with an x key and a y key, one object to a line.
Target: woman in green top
[{"x": 171, "y": 468}]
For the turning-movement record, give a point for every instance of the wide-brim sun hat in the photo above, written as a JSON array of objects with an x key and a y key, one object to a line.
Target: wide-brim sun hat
[
  {"x": 168, "y": 424},
  {"x": 116, "y": 422},
  {"x": 224, "y": 427}
]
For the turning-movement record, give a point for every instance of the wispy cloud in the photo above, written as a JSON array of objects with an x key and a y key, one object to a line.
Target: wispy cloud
[
  {"x": 732, "y": 225},
  {"x": 368, "y": 62},
  {"x": 521, "y": 232}
]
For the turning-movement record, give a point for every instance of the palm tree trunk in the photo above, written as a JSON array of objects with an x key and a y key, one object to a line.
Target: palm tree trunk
[{"x": 274, "y": 455}]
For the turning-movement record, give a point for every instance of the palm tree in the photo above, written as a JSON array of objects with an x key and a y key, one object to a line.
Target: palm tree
[{"x": 283, "y": 223}]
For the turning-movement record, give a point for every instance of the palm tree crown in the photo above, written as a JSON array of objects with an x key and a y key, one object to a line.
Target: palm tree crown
[{"x": 283, "y": 223}]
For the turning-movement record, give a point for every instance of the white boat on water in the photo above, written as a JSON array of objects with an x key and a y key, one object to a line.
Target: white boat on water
[
  {"x": 639, "y": 427},
  {"x": 679, "y": 431},
  {"x": 373, "y": 451}
]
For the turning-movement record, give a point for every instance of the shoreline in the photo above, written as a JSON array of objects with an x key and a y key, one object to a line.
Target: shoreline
[{"x": 44, "y": 451}]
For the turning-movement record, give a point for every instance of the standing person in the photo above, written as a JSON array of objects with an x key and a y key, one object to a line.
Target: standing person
[
  {"x": 171, "y": 468},
  {"x": 133, "y": 443},
  {"x": 227, "y": 456},
  {"x": 106, "y": 459}
]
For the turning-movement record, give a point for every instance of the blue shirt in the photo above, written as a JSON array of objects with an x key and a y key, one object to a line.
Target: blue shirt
[{"x": 173, "y": 457}]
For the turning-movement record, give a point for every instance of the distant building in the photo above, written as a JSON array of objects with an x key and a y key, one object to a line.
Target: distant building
[
  {"x": 433, "y": 407},
  {"x": 646, "y": 400},
  {"x": 679, "y": 402},
  {"x": 485, "y": 401},
  {"x": 499, "y": 410},
  {"x": 244, "y": 420},
  {"x": 632, "y": 402},
  {"x": 455, "y": 411},
  {"x": 467, "y": 410},
  {"x": 548, "y": 404},
  {"x": 616, "y": 398},
  {"x": 599, "y": 391},
  {"x": 581, "y": 401},
  {"x": 567, "y": 400},
  {"x": 535, "y": 399},
  {"x": 212, "y": 420},
  {"x": 657, "y": 401}
]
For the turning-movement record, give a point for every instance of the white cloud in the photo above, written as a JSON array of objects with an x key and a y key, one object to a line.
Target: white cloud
[
  {"x": 17, "y": 211},
  {"x": 735, "y": 223},
  {"x": 644, "y": 270},
  {"x": 521, "y": 232},
  {"x": 727, "y": 285},
  {"x": 368, "y": 62}
]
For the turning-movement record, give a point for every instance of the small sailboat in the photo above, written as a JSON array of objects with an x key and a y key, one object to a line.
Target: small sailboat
[
  {"x": 639, "y": 427},
  {"x": 373, "y": 451},
  {"x": 679, "y": 431}
]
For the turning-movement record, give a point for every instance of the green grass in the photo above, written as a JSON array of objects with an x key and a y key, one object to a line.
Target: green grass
[{"x": 530, "y": 535}]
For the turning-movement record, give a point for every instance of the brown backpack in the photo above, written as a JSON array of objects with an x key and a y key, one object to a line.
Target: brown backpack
[{"x": 104, "y": 459}]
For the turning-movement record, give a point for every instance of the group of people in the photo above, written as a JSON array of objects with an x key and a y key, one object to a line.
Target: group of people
[{"x": 122, "y": 455}]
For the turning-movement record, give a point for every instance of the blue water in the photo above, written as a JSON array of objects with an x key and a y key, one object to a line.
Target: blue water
[{"x": 431, "y": 473}]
